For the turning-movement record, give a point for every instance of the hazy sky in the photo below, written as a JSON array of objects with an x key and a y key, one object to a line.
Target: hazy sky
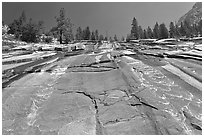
[{"x": 115, "y": 18}]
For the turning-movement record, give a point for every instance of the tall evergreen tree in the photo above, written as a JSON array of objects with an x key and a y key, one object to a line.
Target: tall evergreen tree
[
  {"x": 16, "y": 27},
  {"x": 101, "y": 37},
  {"x": 79, "y": 34},
  {"x": 22, "y": 18},
  {"x": 31, "y": 31},
  {"x": 134, "y": 30},
  {"x": 93, "y": 36},
  {"x": 163, "y": 31},
  {"x": 96, "y": 35},
  {"x": 64, "y": 27},
  {"x": 140, "y": 31},
  {"x": 87, "y": 33},
  {"x": 115, "y": 38},
  {"x": 110, "y": 39},
  {"x": 156, "y": 31},
  {"x": 145, "y": 35},
  {"x": 83, "y": 34},
  {"x": 149, "y": 33},
  {"x": 26, "y": 31},
  {"x": 172, "y": 30}
]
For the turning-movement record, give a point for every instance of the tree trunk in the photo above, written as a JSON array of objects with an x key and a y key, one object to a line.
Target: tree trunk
[{"x": 60, "y": 36}]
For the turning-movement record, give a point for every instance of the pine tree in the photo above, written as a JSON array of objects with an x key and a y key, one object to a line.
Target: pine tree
[
  {"x": 156, "y": 31},
  {"x": 40, "y": 26},
  {"x": 79, "y": 34},
  {"x": 26, "y": 31},
  {"x": 115, "y": 38},
  {"x": 163, "y": 31},
  {"x": 87, "y": 33},
  {"x": 149, "y": 33},
  {"x": 93, "y": 36},
  {"x": 134, "y": 30},
  {"x": 145, "y": 35},
  {"x": 64, "y": 27},
  {"x": 110, "y": 39},
  {"x": 96, "y": 35},
  {"x": 140, "y": 31},
  {"x": 31, "y": 31},
  {"x": 101, "y": 37},
  {"x": 17, "y": 25},
  {"x": 172, "y": 30},
  {"x": 22, "y": 18},
  {"x": 83, "y": 34}
]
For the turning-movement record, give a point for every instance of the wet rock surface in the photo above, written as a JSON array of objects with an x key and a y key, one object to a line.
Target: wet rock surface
[{"x": 99, "y": 93}]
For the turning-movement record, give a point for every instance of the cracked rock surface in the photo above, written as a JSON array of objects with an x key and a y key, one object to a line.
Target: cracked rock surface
[{"x": 99, "y": 94}]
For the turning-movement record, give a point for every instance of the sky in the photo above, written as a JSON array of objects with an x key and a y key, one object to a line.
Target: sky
[{"x": 109, "y": 18}]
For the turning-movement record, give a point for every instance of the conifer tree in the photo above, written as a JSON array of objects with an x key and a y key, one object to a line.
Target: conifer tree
[
  {"x": 110, "y": 39},
  {"x": 26, "y": 31},
  {"x": 16, "y": 27},
  {"x": 145, "y": 36},
  {"x": 87, "y": 34},
  {"x": 115, "y": 38},
  {"x": 149, "y": 33},
  {"x": 156, "y": 31},
  {"x": 134, "y": 30},
  {"x": 79, "y": 34},
  {"x": 101, "y": 37},
  {"x": 172, "y": 30},
  {"x": 163, "y": 31},
  {"x": 64, "y": 26},
  {"x": 93, "y": 36},
  {"x": 96, "y": 35},
  {"x": 140, "y": 31}
]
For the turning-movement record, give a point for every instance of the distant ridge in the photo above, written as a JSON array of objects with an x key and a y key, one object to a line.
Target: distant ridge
[{"x": 193, "y": 16}]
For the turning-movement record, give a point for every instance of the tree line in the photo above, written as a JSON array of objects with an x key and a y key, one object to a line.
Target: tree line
[
  {"x": 160, "y": 31},
  {"x": 30, "y": 31},
  {"x": 25, "y": 30},
  {"x": 86, "y": 34}
]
